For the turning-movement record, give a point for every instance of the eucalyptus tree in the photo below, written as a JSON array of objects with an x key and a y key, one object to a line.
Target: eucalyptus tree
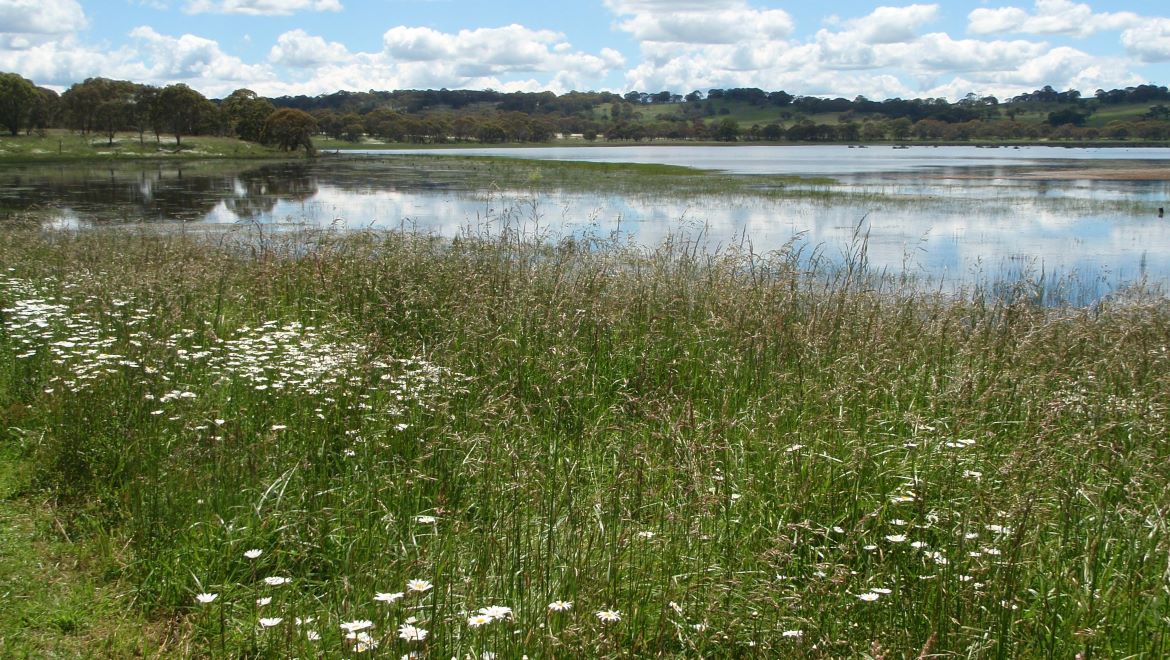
[
  {"x": 179, "y": 110},
  {"x": 18, "y": 95},
  {"x": 246, "y": 113},
  {"x": 290, "y": 129}
]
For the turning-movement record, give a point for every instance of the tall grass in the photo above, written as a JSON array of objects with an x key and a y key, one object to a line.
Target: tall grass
[{"x": 726, "y": 455}]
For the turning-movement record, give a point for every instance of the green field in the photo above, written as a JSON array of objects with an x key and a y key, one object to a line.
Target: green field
[
  {"x": 68, "y": 145},
  {"x": 395, "y": 443}
]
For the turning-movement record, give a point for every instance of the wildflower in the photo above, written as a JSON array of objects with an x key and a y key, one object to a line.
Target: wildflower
[
  {"x": 313, "y": 635},
  {"x": 356, "y": 625},
  {"x": 205, "y": 598},
  {"x": 488, "y": 655},
  {"x": 699, "y": 627},
  {"x": 388, "y": 597},
  {"x": 646, "y": 534},
  {"x": 478, "y": 620},
  {"x": 279, "y": 427},
  {"x": 609, "y": 616},
  {"x": 676, "y": 607},
  {"x": 253, "y": 553},
  {"x": 880, "y": 590},
  {"x": 560, "y": 606},
  {"x": 268, "y": 623},
  {"x": 496, "y": 611},
  {"x": 869, "y": 596},
  {"x": 418, "y": 586},
  {"x": 792, "y": 633},
  {"x": 263, "y": 601},
  {"x": 838, "y": 529},
  {"x": 411, "y": 633},
  {"x": 896, "y": 538},
  {"x": 363, "y": 642},
  {"x": 276, "y": 581},
  {"x": 424, "y": 520}
]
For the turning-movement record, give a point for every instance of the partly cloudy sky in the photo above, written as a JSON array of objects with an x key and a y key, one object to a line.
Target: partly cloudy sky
[{"x": 842, "y": 48}]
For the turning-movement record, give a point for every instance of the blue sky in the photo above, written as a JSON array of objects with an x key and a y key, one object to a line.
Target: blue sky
[{"x": 844, "y": 48}]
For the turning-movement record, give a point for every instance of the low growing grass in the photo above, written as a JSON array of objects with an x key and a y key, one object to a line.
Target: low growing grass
[
  {"x": 58, "y": 145},
  {"x": 324, "y": 445}
]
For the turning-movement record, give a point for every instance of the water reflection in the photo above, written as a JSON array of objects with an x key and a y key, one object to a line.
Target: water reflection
[{"x": 958, "y": 227}]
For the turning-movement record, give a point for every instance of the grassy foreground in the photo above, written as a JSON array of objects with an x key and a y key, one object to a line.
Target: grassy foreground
[{"x": 320, "y": 445}]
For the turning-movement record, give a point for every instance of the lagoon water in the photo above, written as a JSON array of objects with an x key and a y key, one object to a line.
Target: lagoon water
[{"x": 953, "y": 215}]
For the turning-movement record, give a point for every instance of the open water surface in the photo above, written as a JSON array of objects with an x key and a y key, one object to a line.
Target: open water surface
[{"x": 953, "y": 215}]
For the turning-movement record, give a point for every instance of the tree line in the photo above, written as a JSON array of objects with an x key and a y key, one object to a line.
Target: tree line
[{"x": 105, "y": 107}]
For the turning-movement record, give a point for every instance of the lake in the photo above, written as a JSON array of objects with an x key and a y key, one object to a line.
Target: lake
[{"x": 953, "y": 215}]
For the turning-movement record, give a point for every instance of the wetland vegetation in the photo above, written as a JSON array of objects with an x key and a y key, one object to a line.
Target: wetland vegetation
[{"x": 329, "y": 444}]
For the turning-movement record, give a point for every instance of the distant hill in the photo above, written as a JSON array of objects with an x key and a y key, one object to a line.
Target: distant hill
[{"x": 106, "y": 107}]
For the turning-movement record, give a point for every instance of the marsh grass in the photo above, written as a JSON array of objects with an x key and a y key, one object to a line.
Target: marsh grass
[{"x": 731, "y": 454}]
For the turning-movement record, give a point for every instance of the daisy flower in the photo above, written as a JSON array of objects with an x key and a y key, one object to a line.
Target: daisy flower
[
  {"x": 418, "y": 586},
  {"x": 477, "y": 620},
  {"x": 496, "y": 611},
  {"x": 608, "y": 616},
  {"x": 411, "y": 633},
  {"x": 356, "y": 625}
]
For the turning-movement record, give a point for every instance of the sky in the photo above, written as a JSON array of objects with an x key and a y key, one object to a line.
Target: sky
[{"x": 844, "y": 48}]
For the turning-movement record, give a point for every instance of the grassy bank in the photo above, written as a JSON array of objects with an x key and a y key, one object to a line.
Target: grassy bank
[
  {"x": 322, "y": 445},
  {"x": 59, "y": 145}
]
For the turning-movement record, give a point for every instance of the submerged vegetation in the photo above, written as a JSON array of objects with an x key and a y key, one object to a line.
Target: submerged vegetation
[{"x": 316, "y": 444}]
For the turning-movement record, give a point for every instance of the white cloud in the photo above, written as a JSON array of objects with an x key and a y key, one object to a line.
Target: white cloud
[
  {"x": 490, "y": 51},
  {"x": 699, "y": 23},
  {"x": 1149, "y": 42},
  {"x": 727, "y": 26},
  {"x": 939, "y": 52},
  {"x": 260, "y": 7},
  {"x": 417, "y": 44},
  {"x": 57, "y": 64},
  {"x": 1049, "y": 17},
  {"x": 194, "y": 60},
  {"x": 27, "y": 23},
  {"x": 887, "y": 25},
  {"x": 299, "y": 49}
]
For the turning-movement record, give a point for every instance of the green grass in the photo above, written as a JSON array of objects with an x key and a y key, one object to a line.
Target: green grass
[
  {"x": 730, "y": 451},
  {"x": 58, "y": 604},
  {"x": 481, "y": 172},
  {"x": 64, "y": 145}
]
